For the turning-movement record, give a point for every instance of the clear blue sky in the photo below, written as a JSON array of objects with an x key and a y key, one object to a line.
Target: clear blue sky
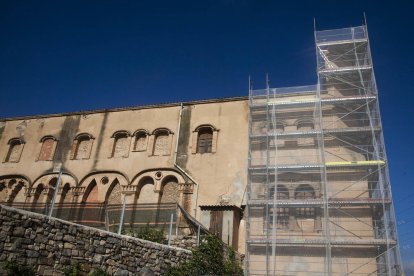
[{"x": 62, "y": 56}]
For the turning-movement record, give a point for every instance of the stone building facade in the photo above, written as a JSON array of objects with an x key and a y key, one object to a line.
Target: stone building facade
[
  {"x": 153, "y": 157},
  {"x": 307, "y": 164}
]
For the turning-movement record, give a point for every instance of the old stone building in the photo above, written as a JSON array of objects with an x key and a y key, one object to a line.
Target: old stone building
[
  {"x": 193, "y": 154},
  {"x": 296, "y": 178}
]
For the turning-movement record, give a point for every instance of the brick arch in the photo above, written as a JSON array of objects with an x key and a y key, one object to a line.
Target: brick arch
[
  {"x": 96, "y": 198},
  {"x": 104, "y": 182},
  {"x": 152, "y": 173},
  {"x": 49, "y": 182},
  {"x": 46, "y": 178},
  {"x": 13, "y": 189},
  {"x": 209, "y": 126}
]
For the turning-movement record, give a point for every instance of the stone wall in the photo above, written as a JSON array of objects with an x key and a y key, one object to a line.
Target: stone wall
[
  {"x": 50, "y": 245},
  {"x": 187, "y": 242}
]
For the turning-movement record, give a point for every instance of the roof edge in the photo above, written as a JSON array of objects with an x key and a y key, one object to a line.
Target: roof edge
[{"x": 119, "y": 109}]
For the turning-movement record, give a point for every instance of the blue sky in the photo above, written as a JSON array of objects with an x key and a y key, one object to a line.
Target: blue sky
[{"x": 62, "y": 56}]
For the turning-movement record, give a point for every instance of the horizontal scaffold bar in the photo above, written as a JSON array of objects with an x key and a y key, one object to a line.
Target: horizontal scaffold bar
[
  {"x": 337, "y": 42},
  {"x": 369, "y": 163},
  {"x": 334, "y": 202},
  {"x": 322, "y": 242},
  {"x": 310, "y": 101},
  {"x": 313, "y": 133},
  {"x": 355, "y": 163},
  {"x": 345, "y": 69}
]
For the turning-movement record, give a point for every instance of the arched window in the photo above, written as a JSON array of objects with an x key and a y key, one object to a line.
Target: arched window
[
  {"x": 91, "y": 194},
  {"x": 65, "y": 194},
  {"x": 282, "y": 214},
  {"x": 170, "y": 192},
  {"x": 305, "y": 124},
  {"x": 281, "y": 192},
  {"x": 141, "y": 140},
  {"x": 3, "y": 191},
  {"x": 146, "y": 192},
  {"x": 48, "y": 148},
  {"x": 121, "y": 144},
  {"x": 162, "y": 142},
  {"x": 38, "y": 196},
  {"x": 280, "y": 127},
  {"x": 205, "y": 140},
  {"x": 305, "y": 192},
  {"x": 82, "y": 146},
  {"x": 15, "y": 150},
  {"x": 17, "y": 195}
]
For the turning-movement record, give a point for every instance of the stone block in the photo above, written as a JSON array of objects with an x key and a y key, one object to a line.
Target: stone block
[
  {"x": 19, "y": 232},
  {"x": 68, "y": 238},
  {"x": 97, "y": 258}
]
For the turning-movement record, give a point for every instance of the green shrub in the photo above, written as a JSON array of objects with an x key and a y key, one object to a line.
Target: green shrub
[
  {"x": 13, "y": 268},
  {"x": 209, "y": 259},
  {"x": 98, "y": 272},
  {"x": 73, "y": 270},
  {"x": 231, "y": 265},
  {"x": 148, "y": 233}
]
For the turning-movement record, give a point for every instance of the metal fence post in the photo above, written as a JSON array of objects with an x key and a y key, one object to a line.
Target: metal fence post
[
  {"x": 52, "y": 205},
  {"x": 198, "y": 235},
  {"x": 169, "y": 236},
  {"x": 121, "y": 220}
]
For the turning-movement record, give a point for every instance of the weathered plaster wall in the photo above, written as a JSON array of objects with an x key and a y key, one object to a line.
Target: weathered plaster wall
[
  {"x": 49, "y": 245},
  {"x": 221, "y": 175}
]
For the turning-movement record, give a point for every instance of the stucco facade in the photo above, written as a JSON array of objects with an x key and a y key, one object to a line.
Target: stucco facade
[{"x": 152, "y": 155}]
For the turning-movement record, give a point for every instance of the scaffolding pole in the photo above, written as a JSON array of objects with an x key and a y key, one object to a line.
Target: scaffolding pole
[{"x": 319, "y": 197}]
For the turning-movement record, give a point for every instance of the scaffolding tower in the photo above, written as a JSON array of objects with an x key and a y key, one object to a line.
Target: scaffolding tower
[{"x": 319, "y": 197}]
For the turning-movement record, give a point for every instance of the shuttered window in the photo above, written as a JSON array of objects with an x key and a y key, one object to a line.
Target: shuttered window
[{"x": 205, "y": 140}]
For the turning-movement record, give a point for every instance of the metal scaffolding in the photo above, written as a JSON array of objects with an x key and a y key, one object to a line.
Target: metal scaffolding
[{"x": 319, "y": 196}]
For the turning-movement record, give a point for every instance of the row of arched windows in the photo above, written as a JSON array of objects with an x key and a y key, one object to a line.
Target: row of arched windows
[
  {"x": 302, "y": 192},
  {"x": 301, "y": 125},
  {"x": 280, "y": 126},
  {"x": 159, "y": 143},
  {"x": 96, "y": 200}
]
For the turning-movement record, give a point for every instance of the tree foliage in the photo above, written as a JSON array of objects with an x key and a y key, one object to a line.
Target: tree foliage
[
  {"x": 13, "y": 268},
  {"x": 75, "y": 269},
  {"x": 209, "y": 259}
]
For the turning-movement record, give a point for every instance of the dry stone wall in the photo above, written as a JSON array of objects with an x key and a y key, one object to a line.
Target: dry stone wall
[{"x": 49, "y": 245}]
